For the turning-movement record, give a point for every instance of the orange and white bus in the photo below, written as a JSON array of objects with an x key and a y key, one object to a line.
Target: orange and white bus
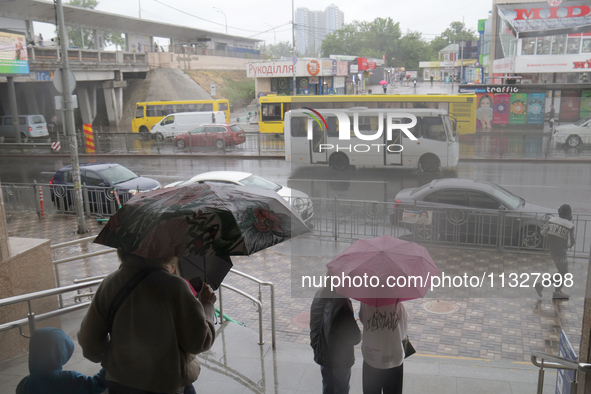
[{"x": 147, "y": 114}]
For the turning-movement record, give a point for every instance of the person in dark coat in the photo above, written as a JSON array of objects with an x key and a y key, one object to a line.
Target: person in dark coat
[
  {"x": 560, "y": 232},
  {"x": 333, "y": 335}
]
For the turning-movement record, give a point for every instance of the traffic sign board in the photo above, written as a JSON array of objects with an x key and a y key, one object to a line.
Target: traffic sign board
[
  {"x": 295, "y": 59},
  {"x": 59, "y": 84},
  {"x": 56, "y": 146}
]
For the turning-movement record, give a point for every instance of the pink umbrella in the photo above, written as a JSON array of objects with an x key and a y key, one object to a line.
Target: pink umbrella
[
  {"x": 373, "y": 265},
  {"x": 382, "y": 82}
]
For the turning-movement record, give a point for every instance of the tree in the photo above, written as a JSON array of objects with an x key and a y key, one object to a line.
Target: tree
[
  {"x": 456, "y": 32},
  {"x": 83, "y": 38},
  {"x": 366, "y": 39},
  {"x": 281, "y": 49},
  {"x": 412, "y": 49}
]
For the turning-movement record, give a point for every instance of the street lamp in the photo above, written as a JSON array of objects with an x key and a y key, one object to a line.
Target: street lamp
[
  {"x": 274, "y": 36},
  {"x": 218, "y": 10}
]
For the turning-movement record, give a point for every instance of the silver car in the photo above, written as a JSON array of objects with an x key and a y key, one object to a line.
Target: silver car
[
  {"x": 300, "y": 201},
  {"x": 471, "y": 212}
]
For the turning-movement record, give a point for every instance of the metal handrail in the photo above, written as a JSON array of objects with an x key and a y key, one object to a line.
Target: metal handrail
[
  {"x": 74, "y": 242},
  {"x": 253, "y": 299},
  {"x": 271, "y": 288},
  {"x": 556, "y": 362}
]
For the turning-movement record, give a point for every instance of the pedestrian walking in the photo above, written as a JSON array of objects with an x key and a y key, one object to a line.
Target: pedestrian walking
[
  {"x": 40, "y": 40},
  {"x": 431, "y": 78},
  {"x": 333, "y": 335},
  {"x": 551, "y": 118},
  {"x": 385, "y": 87},
  {"x": 560, "y": 232}
]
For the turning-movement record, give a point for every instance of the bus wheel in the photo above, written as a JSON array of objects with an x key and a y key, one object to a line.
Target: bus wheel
[
  {"x": 144, "y": 133},
  {"x": 339, "y": 162},
  {"x": 159, "y": 137},
  {"x": 429, "y": 163}
]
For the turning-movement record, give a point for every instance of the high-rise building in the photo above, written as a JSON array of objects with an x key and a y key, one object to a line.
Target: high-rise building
[{"x": 313, "y": 26}]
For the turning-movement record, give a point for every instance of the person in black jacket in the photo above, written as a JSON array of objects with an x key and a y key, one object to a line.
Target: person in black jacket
[
  {"x": 333, "y": 335},
  {"x": 561, "y": 236}
]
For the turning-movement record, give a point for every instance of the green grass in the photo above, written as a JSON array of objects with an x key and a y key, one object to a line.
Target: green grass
[{"x": 239, "y": 90}]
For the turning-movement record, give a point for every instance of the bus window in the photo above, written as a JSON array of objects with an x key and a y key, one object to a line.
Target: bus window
[
  {"x": 333, "y": 126},
  {"x": 139, "y": 112},
  {"x": 298, "y": 127},
  {"x": 433, "y": 129},
  {"x": 150, "y": 111},
  {"x": 286, "y": 107},
  {"x": 168, "y": 109},
  {"x": 190, "y": 107},
  {"x": 207, "y": 107},
  {"x": 451, "y": 132},
  {"x": 167, "y": 120},
  {"x": 160, "y": 110},
  {"x": 368, "y": 125},
  {"x": 416, "y": 131},
  {"x": 271, "y": 112},
  {"x": 317, "y": 136},
  {"x": 222, "y": 106}
]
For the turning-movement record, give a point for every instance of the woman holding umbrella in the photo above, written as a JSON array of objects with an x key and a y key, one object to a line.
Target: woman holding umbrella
[{"x": 397, "y": 271}]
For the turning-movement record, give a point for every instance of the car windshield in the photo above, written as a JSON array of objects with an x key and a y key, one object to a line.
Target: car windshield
[
  {"x": 235, "y": 129},
  {"x": 118, "y": 174},
  {"x": 261, "y": 183},
  {"x": 580, "y": 122},
  {"x": 508, "y": 198}
]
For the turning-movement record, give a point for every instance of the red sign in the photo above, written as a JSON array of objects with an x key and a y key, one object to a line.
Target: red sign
[
  {"x": 313, "y": 67},
  {"x": 362, "y": 63},
  {"x": 586, "y": 64},
  {"x": 534, "y": 13},
  {"x": 371, "y": 65}
]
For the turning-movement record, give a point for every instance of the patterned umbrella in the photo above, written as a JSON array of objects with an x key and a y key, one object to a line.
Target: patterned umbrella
[{"x": 201, "y": 220}]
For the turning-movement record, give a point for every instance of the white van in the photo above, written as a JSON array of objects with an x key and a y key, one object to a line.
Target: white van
[
  {"x": 30, "y": 126},
  {"x": 175, "y": 124}
]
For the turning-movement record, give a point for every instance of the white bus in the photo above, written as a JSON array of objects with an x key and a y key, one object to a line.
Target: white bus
[{"x": 312, "y": 137}]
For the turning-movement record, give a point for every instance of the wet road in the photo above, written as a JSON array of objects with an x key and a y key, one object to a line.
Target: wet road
[{"x": 547, "y": 183}]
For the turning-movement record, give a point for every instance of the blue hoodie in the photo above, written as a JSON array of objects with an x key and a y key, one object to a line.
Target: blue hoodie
[{"x": 50, "y": 348}]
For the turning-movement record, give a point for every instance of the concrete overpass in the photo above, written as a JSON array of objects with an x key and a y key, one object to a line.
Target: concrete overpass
[{"x": 97, "y": 70}]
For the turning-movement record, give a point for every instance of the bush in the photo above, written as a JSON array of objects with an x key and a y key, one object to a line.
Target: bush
[{"x": 239, "y": 90}]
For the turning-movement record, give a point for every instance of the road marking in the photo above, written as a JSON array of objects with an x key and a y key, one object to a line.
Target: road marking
[
  {"x": 551, "y": 187},
  {"x": 335, "y": 180}
]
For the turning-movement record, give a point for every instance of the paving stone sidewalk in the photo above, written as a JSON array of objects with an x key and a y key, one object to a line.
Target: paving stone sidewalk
[{"x": 490, "y": 323}]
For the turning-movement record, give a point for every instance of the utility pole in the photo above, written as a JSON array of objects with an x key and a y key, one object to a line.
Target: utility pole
[
  {"x": 294, "y": 47},
  {"x": 462, "y": 59},
  {"x": 139, "y": 8},
  {"x": 13, "y": 109},
  {"x": 69, "y": 117}
]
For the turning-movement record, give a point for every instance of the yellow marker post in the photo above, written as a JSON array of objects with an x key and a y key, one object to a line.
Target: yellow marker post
[{"x": 89, "y": 138}]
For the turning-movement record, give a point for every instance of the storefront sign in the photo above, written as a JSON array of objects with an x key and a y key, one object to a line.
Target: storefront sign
[
  {"x": 354, "y": 68},
  {"x": 538, "y": 16},
  {"x": 362, "y": 63},
  {"x": 371, "y": 65},
  {"x": 329, "y": 67},
  {"x": 506, "y": 65},
  {"x": 13, "y": 53},
  {"x": 313, "y": 80},
  {"x": 341, "y": 68},
  {"x": 552, "y": 63},
  {"x": 346, "y": 58},
  {"x": 269, "y": 69},
  {"x": 313, "y": 67}
]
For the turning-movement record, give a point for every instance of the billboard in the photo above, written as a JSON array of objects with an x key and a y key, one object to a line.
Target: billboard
[{"x": 13, "y": 53}]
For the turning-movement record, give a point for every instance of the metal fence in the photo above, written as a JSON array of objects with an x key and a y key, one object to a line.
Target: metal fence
[
  {"x": 344, "y": 219},
  {"x": 123, "y": 143}
]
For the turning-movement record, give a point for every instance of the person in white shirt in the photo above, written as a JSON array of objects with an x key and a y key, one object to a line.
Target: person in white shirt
[{"x": 384, "y": 328}]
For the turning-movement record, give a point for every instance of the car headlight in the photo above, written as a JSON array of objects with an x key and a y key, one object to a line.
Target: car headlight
[{"x": 299, "y": 204}]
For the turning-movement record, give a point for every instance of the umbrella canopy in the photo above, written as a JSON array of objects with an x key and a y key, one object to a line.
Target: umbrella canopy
[
  {"x": 199, "y": 269},
  {"x": 202, "y": 219},
  {"x": 407, "y": 262},
  {"x": 382, "y": 82}
]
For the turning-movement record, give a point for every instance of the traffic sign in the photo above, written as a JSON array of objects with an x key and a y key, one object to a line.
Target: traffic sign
[
  {"x": 295, "y": 59},
  {"x": 59, "y": 83},
  {"x": 56, "y": 146}
]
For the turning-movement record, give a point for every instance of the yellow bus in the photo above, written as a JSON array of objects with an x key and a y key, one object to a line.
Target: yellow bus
[
  {"x": 149, "y": 113},
  {"x": 461, "y": 107}
]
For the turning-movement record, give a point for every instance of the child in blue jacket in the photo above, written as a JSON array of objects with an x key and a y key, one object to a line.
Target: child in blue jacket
[{"x": 50, "y": 348}]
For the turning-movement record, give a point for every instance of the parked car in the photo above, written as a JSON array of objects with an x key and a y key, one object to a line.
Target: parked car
[
  {"x": 175, "y": 124},
  {"x": 101, "y": 180},
  {"x": 299, "y": 200},
  {"x": 218, "y": 135},
  {"x": 574, "y": 134},
  {"x": 469, "y": 211},
  {"x": 30, "y": 126}
]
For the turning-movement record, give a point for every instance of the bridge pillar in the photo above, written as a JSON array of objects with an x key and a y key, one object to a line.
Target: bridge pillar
[
  {"x": 114, "y": 101},
  {"x": 87, "y": 103},
  {"x": 98, "y": 39},
  {"x": 32, "y": 95}
]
